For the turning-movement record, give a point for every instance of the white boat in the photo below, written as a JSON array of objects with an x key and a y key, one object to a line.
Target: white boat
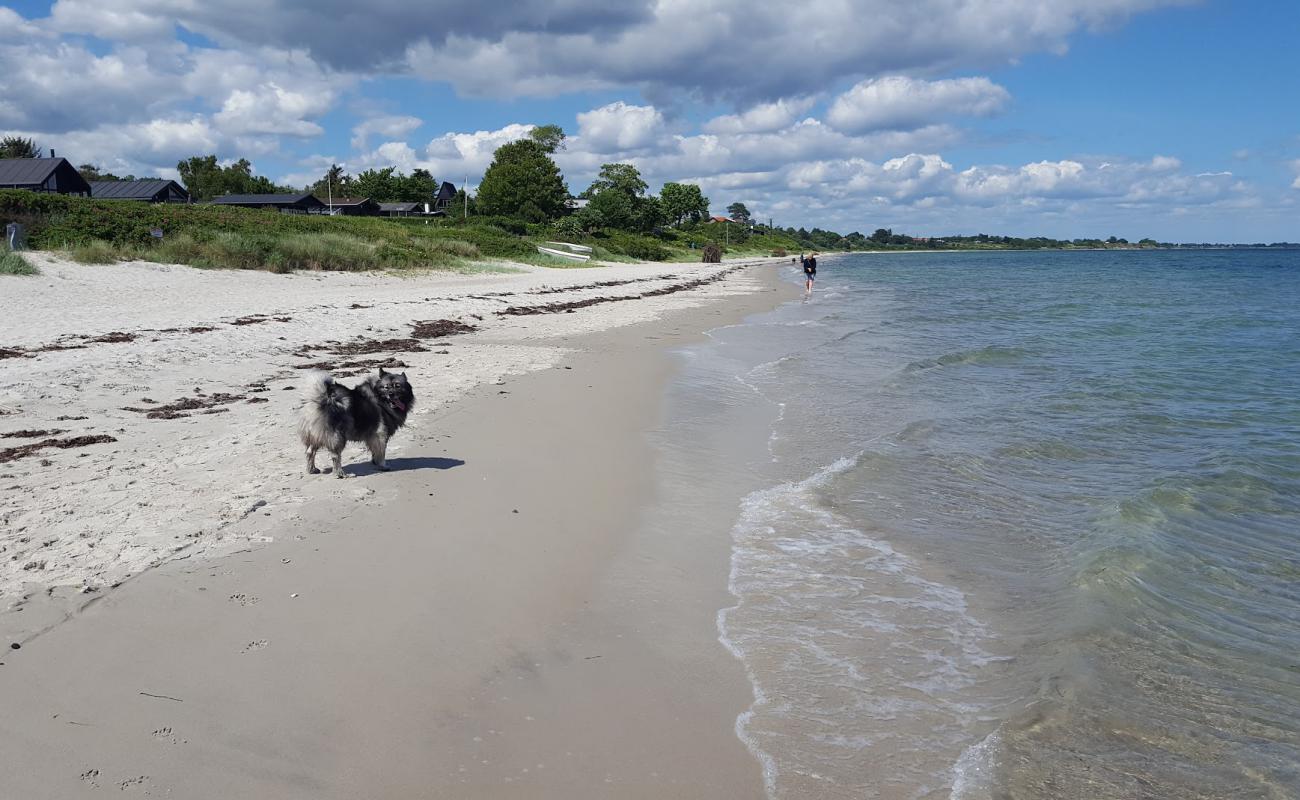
[
  {"x": 551, "y": 251},
  {"x": 576, "y": 248}
]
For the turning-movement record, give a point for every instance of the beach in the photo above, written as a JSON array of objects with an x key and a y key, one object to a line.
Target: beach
[{"x": 198, "y": 618}]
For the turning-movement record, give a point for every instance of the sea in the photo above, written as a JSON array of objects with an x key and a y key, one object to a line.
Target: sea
[{"x": 1014, "y": 524}]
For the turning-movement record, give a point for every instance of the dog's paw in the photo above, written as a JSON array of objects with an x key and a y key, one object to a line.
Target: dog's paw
[
  {"x": 341, "y": 474},
  {"x": 314, "y": 471}
]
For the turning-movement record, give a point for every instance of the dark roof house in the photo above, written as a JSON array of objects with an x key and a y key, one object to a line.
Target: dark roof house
[
  {"x": 352, "y": 207},
  {"x": 446, "y": 193},
  {"x": 51, "y": 175},
  {"x": 301, "y": 203},
  {"x": 400, "y": 209},
  {"x": 155, "y": 190}
]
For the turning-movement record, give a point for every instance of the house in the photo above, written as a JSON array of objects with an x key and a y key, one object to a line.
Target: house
[
  {"x": 442, "y": 200},
  {"x": 48, "y": 175},
  {"x": 352, "y": 207},
  {"x": 714, "y": 220},
  {"x": 301, "y": 203},
  {"x": 154, "y": 190},
  {"x": 400, "y": 209}
]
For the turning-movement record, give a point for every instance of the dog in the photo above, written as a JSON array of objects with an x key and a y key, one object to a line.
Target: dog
[{"x": 333, "y": 415}]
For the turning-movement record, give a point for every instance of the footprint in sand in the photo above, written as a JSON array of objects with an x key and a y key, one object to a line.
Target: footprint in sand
[
  {"x": 131, "y": 783},
  {"x": 91, "y": 776},
  {"x": 255, "y": 645},
  {"x": 167, "y": 735},
  {"x": 244, "y": 599}
]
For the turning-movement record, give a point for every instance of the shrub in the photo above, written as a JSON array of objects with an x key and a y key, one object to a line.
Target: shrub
[
  {"x": 96, "y": 251},
  {"x": 712, "y": 253},
  {"x": 14, "y": 264},
  {"x": 779, "y": 252}
]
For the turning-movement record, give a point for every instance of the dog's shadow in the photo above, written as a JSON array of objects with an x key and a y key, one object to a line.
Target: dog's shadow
[{"x": 401, "y": 464}]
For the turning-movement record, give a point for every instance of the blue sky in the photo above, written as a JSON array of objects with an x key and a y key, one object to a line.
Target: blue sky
[{"x": 1067, "y": 118}]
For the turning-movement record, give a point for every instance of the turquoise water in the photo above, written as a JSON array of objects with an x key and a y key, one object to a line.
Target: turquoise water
[{"x": 1027, "y": 525}]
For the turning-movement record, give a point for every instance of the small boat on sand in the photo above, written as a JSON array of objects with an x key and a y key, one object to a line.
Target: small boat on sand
[{"x": 573, "y": 252}]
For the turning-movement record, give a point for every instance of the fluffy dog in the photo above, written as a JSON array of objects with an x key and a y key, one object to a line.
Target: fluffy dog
[{"x": 333, "y": 415}]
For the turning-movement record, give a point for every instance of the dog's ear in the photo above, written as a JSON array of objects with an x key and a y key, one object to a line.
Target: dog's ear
[
  {"x": 381, "y": 372},
  {"x": 403, "y": 376}
]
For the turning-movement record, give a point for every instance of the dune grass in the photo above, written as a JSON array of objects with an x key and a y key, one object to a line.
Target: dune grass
[{"x": 14, "y": 264}]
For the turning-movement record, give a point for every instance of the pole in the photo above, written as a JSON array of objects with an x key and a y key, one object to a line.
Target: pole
[
  {"x": 464, "y": 187},
  {"x": 329, "y": 188}
]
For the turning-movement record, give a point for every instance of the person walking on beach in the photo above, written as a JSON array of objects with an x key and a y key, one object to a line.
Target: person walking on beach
[{"x": 809, "y": 271}]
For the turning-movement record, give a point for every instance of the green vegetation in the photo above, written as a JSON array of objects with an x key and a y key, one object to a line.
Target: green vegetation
[
  {"x": 103, "y": 231},
  {"x": 206, "y": 179},
  {"x": 523, "y": 182},
  {"x": 14, "y": 264},
  {"x": 18, "y": 147}
]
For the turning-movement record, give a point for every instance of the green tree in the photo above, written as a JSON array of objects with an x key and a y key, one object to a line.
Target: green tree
[
  {"x": 684, "y": 201},
  {"x": 334, "y": 183},
  {"x": 523, "y": 181},
  {"x": 882, "y": 235},
  {"x": 419, "y": 187},
  {"x": 18, "y": 147},
  {"x": 92, "y": 173},
  {"x": 617, "y": 198},
  {"x": 380, "y": 185},
  {"x": 201, "y": 176},
  {"x": 205, "y": 179},
  {"x": 624, "y": 178},
  {"x": 550, "y": 137},
  {"x": 738, "y": 212}
]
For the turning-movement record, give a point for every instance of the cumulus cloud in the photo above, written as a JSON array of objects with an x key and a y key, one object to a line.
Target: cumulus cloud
[
  {"x": 547, "y": 46},
  {"x": 898, "y": 102},
  {"x": 620, "y": 127},
  {"x": 272, "y": 109},
  {"x": 762, "y": 118},
  {"x": 388, "y": 126}
]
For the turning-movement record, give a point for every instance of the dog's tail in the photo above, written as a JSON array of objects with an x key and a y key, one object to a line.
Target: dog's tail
[{"x": 316, "y": 391}]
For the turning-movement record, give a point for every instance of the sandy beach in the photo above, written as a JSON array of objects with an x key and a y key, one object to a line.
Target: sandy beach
[{"x": 197, "y": 618}]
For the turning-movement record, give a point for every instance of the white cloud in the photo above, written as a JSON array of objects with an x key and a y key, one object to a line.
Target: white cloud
[
  {"x": 762, "y": 118},
  {"x": 389, "y": 126},
  {"x": 900, "y": 103},
  {"x": 619, "y": 127},
  {"x": 272, "y": 109}
]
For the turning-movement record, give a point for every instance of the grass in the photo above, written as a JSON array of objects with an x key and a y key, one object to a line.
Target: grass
[
  {"x": 104, "y": 231},
  {"x": 14, "y": 264}
]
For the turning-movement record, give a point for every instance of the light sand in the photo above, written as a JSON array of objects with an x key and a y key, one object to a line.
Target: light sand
[
  {"x": 74, "y": 522},
  {"x": 440, "y": 644}
]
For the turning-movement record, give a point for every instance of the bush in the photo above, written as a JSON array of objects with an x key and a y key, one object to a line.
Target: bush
[
  {"x": 96, "y": 252},
  {"x": 642, "y": 248},
  {"x": 712, "y": 253},
  {"x": 779, "y": 252},
  {"x": 101, "y": 231},
  {"x": 14, "y": 264}
]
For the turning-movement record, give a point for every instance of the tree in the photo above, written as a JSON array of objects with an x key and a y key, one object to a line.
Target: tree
[
  {"x": 683, "y": 201},
  {"x": 380, "y": 185},
  {"x": 625, "y": 178},
  {"x": 882, "y": 235},
  {"x": 523, "y": 181},
  {"x": 205, "y": 179},
  {"x": 738, "y": 212},
  {"x": 18, "y": 147},
  {"x": 617, "y": 199},
  {"x": 550, "y": 137},
  {"x": 92, "y": 173},
  {"x": 335, "y": 182},
  {"x": 419, "y": 187}
]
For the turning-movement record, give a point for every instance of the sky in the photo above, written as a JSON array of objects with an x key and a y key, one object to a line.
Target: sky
[{"x": 1171, "y": 119}]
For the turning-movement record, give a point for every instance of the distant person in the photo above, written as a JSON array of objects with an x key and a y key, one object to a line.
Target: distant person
[{"x": 809, "y": 271}]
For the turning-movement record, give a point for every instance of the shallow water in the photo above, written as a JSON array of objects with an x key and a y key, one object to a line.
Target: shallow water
[{"x": 1026, "y": 525}]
